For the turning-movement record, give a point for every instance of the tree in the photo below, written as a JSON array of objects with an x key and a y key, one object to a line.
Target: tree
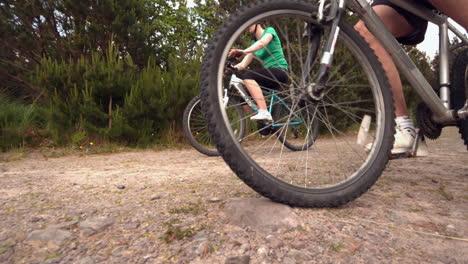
[{"x": 70, "y": 29}]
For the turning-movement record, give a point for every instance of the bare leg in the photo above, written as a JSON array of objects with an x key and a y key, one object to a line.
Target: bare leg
[
  {"x": 256, "y": 93},
  {"x": 398, "y": 26},
  {"x": 248, "y": 109},
  {"x": 455, "y": 9}
]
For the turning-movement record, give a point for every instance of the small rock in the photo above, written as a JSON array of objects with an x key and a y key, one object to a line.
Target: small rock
[
  {"x": 244, "y": 248},
  {"x": 434, "y": 181},
  {"x": 88, "y": 232},
  {"x": 86, "y": 260},
  {"x": 118, "y": 250},
  {"x": 73, "y": 246},
  {"x": 297, "y": 255},
  {"x": 262, "y": 251},
  {"x": 97, "y": 224},
  {"x": 5, "y": 235},
  {"x": 298, "y": 245},
  {"x": 66, "y": 225},
  {"x": 450, "y": 226},
  {"x": 132, "y": 225},
  {"x": 214, "y": 200},
  {"x": 155, "y": 197},
  {"x": 148, "y": 257},
  {"x": 202, "y": 248},
  {"x": 36, "y": 219},
  {"x": 201, "y": 234},
  {"x": 274, "y": 242},
  {"x": 121, "y": 186},
  {"x": 261, "y": 215},
  {"x": 288, "y": 260},
  {"x": 53, "y": 235},
  {"x": 238, "y": 260}
]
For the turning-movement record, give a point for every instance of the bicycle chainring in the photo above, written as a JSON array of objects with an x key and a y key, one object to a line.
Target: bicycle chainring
[
  {"x": 265, "y": 128},
  {"x": 428, "y": 127}
]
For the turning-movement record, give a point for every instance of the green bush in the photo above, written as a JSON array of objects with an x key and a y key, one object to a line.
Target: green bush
[
  {"x": 16, "y": 123},
  {"x": 107, "y": 97}
]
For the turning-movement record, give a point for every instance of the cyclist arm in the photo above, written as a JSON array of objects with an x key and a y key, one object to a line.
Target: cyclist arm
[
  {"x": 258, "y": 45},
  {"x": 245, "y": 62}
]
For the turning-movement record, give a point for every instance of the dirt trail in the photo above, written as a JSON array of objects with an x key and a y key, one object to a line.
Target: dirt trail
[{"x": 167, "y": 207}]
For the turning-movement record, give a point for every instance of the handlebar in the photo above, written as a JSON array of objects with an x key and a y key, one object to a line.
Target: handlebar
[{"x": 229, "y": 68}]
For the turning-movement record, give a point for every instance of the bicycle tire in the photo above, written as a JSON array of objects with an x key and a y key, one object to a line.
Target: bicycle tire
[
  {"x": 196, "y": 131},
  {"x": 266, "y": 169},
  {"x": 193, "y": 114},
  {"x": 459, "y": 93}
]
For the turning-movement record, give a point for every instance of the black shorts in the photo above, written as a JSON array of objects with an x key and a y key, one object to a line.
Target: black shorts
[
  {"x": 267, "y": 78},
  {"x": 419, "y": 24}
]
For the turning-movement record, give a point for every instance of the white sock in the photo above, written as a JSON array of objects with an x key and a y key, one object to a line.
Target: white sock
[{"x": 404, "y": 122}]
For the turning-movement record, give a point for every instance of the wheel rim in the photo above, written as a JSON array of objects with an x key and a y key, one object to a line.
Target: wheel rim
[
  {"x": 334, "y": 160},
  {"x": 198, "y": 129}
]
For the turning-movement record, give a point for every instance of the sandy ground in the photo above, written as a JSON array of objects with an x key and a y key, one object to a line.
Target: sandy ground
[{"x": 167, "y": 207}]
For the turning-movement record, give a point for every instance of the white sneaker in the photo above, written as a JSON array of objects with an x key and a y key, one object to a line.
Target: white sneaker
[
  {"x": 404, "y": 140},
  {"x": 262, "y": 115}
]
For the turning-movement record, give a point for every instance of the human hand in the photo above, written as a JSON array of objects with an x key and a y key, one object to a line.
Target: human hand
[{"x": 234, "y": 52}]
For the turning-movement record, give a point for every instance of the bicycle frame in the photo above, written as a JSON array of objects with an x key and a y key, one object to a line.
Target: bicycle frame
[
  {"x": 440, "y": 107},
  {"x": 238, "y": 85},
  {"x": 274, "y": 98}
]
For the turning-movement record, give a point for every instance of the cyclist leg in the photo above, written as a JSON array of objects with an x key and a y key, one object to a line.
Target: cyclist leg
[
  {"x": 255, "y": 80},
  {"x": 256, "y": 93},
  {"x": 399, "y": 27}
]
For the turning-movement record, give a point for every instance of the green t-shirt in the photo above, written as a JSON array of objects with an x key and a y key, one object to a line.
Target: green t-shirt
[{"x": 272, "y": 55}]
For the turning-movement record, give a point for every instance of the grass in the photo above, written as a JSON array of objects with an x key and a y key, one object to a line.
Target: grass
[
  {"x": 6, "y": 246},
  {"x": 193, "y": 208},
  {"x": 52, "y": 256},
  {"x": 13, "y": 155},
  {"x": 46, "y": 152},
  {"x": 337, "y": 247},
  {"x": 174, "y": 231}
]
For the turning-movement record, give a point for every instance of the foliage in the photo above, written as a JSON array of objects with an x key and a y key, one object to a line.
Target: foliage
[
  {"x": 17, "y": 122},
  {"x": 105, "y": 70},
  {"x": 109, "y": 98},
  {"x": 73, "y": 29}
]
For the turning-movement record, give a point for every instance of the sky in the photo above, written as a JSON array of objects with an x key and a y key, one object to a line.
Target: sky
[{"x": 431, "y": 41}]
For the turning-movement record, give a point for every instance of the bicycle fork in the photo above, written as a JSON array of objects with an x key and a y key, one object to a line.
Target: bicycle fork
[{"x": 336, "y": 12}]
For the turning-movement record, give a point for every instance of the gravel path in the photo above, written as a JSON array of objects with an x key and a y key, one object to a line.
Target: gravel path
[{"x": 171, "y": 207}]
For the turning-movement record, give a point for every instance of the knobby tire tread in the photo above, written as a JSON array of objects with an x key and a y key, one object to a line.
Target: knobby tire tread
[{"x": 459, "y": 91}]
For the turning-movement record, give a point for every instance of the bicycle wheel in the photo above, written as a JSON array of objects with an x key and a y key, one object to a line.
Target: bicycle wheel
[
  {"x": 196, "y": 131},
  {"x": 296, "y": 130},
  {"x": 459, "y": 94},
  {"x": 335, "y": 169}
]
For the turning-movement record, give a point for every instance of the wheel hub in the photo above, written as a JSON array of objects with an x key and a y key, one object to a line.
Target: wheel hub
[{"x": 315, "y": 91}]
